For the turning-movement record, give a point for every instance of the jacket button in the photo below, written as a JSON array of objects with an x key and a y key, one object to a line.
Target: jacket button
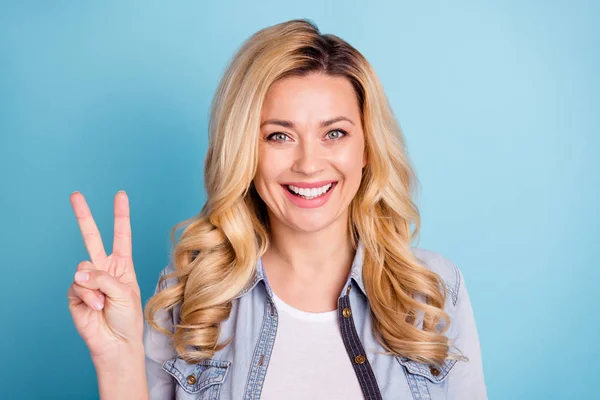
[
  {"x": 346, "y": 312},
  {"x": 434, "y": 371},
  {"x": 191, "y": 379},
  {"x": 360, "y": 359}
]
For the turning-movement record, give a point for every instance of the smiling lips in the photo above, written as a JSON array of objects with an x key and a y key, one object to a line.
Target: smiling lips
[
  {"x": 309, "y": 195},
  {"x": 309, "y": 190}
]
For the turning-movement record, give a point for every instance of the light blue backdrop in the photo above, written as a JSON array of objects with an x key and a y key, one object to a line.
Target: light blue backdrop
[{"x": 499, "y": 102}]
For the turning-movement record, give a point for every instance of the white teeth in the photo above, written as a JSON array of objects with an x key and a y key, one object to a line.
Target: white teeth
[{"x": 310, "y": 193}]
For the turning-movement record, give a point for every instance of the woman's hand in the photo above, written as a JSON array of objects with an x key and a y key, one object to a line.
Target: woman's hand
[{"x": 104, "y": 299}]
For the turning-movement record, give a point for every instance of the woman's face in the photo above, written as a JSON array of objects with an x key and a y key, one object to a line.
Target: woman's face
[{"x": 311, "y": 151}]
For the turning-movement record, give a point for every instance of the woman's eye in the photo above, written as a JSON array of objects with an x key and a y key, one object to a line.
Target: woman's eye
[
  {"x": 282, "y": 137},
  {"x": 277, "y": 136},
  {"x": 336, "y": 134}
]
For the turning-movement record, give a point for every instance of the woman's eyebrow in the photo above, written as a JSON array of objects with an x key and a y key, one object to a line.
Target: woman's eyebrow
[{"x": 290, "y": 124}]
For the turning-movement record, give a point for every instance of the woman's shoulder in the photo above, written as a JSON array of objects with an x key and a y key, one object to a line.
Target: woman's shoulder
[
  {"x": 434, "y": 261},
  {"x": 443, "y": 267}
]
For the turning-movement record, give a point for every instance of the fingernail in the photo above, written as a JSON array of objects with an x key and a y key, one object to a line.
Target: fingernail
[
  {"x": 98, "y": 306},
  {"x": 121, "y": 191},
  {"x": 101, "y": 296},
  {"x": 82, "y": 276}
]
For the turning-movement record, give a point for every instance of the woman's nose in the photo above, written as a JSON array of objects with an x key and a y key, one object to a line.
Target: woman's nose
[{"x": 308, "y": 158}]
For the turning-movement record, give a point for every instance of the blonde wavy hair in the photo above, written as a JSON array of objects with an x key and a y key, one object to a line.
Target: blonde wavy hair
[{"x": 216, "y": 255}]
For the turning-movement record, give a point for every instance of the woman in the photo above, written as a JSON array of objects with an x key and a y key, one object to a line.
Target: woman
[{"x": 297, "y": 279}]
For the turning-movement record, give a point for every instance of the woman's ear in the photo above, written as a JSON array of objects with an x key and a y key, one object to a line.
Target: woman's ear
[{"x": 364, "y": 160}]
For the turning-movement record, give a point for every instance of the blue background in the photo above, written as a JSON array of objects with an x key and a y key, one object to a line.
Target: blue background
[{"x": 498, "y": 100}]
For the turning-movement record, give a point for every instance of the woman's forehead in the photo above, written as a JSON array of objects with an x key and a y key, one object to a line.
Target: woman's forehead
[{"x": 311, "y": 99}]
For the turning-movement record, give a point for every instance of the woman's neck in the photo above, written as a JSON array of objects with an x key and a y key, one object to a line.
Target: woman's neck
[{"x": 308, "y": 270}]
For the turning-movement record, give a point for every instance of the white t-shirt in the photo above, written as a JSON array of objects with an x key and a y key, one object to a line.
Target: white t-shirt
[{"x": 309, "y": 360}]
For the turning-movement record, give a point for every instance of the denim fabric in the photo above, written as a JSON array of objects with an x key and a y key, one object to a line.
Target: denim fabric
[{"x": 238, "y": 371}]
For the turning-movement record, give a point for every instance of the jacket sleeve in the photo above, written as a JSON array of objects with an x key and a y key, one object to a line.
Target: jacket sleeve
[
  {"x": 465, "y": 380},
  {"x": 158, "y": 348}
]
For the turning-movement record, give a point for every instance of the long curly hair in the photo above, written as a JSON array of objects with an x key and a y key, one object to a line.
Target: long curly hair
[{"x": 216, "y": 254}]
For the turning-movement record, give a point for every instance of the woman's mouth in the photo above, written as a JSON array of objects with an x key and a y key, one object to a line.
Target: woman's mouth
[
  {"x": 309, "y": 197},
  {"x": 310, "y": 194}
]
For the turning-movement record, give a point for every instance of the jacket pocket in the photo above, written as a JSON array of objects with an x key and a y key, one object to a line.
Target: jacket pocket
[
  {"x": 200, "y": 381},
  {"x": 420, "y": 375}
]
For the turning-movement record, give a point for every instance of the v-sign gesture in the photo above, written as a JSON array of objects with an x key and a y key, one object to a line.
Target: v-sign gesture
[{"x": 104, "y": 298}]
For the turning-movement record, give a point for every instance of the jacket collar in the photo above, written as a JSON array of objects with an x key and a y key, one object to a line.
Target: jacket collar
[
  {"x": 355, "y": 274},
  {"x": 357, "y": 267}
]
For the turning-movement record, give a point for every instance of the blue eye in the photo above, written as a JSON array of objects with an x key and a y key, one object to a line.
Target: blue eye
[
  {"x": 278, "y": 137},
  {"x": 340, "y": 133}
]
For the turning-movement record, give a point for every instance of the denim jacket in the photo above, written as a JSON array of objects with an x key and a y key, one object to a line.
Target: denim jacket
[{"x": 238, "y": 370}]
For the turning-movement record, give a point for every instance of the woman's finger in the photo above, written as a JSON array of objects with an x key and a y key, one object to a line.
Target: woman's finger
[
  {"x": 89, "y": 230},
  {"x": 105, "y": 282},
  {"x": 78, "y": 294},
  {"x": 122, "y": 226}
]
